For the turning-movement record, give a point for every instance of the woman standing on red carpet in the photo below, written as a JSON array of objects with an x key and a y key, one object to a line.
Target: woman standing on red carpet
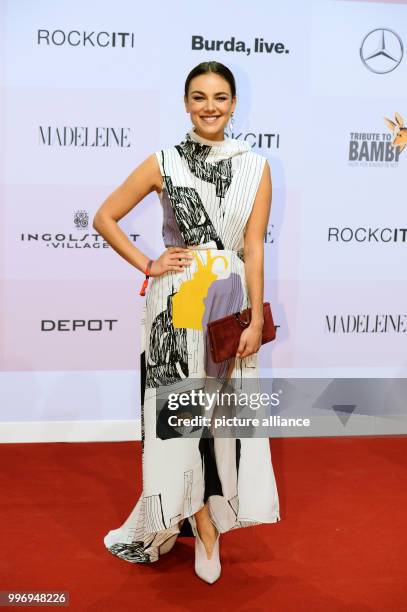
[{"x": 215, "y": 194}]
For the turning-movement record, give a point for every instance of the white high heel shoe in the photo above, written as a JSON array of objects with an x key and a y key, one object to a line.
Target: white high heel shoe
[{"x": 207, "y": 569}]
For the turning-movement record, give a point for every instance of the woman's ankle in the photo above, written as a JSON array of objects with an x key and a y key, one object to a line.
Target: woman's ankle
[{"x": 208, "y": 530}]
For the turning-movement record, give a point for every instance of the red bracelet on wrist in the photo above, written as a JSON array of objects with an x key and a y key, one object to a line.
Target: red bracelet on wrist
[{"x": 147, "y": 273}]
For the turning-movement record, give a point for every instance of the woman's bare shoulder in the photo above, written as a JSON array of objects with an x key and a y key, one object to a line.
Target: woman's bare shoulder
[{"x": 151, "y": 169}]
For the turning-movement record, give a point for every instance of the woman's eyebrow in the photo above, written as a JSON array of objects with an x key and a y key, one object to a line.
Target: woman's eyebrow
[{"x": 216, "y": 94}]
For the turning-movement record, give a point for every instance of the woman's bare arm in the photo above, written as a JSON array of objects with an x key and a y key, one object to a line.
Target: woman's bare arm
[
  {"x": 254, "y": 246},
  {"x": 142, "y": 181}
]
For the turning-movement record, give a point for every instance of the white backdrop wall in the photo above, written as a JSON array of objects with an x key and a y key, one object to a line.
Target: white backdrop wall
[{"x": 88, "y": 90}]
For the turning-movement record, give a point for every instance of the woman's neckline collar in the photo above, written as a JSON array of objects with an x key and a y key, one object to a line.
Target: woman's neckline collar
[{"x": 206, "y": 141}]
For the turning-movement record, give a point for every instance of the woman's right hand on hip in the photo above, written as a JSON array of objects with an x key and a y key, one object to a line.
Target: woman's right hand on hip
[{"x": 173, "y": 259}]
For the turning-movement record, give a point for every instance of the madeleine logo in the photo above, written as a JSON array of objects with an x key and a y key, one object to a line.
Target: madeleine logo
[{"x": 399, "y": 131}]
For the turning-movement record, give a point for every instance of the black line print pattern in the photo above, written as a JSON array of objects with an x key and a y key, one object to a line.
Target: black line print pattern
[
  {"x": 238, "y": 453},
  {"x": 234, "y": 504},
  {"x": 154, "y": 515},
  {"x": 138, "y": 551},
  {"x": 218, "y": 173},
  {"x": 134, "y": 553},
  {"x": 199, "y": 189},
  {"x": 212, "y": 481},
  {"x": 174, "y": 520},
  {"x": 168, "y": 351},
  {"x": 191, "y": 217},
  {"x": 142, "y": 376},
  {"x": 137, "y": 533},
  {"x": 188, "y": 477}
]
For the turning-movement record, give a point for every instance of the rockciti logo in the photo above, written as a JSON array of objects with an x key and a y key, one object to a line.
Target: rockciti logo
[
  {"x": 74, "y": 38},
  {"x": 367, "y": 234}
]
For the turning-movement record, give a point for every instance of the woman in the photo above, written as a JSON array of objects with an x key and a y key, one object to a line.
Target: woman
[{"x": 216, "y": 196}]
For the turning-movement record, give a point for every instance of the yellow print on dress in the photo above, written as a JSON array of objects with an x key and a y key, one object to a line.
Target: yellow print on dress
[{"x": 188, "y": 306}]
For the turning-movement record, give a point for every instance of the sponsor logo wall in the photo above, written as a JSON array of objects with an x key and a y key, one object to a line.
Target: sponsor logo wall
[{"x": 89, "y": 92}]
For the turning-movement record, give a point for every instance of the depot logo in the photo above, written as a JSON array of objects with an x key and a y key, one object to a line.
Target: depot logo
[{"x": 74, "y": 325}]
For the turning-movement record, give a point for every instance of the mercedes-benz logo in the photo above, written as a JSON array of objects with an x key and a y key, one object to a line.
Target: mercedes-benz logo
[{"x": 381, "y": 50}]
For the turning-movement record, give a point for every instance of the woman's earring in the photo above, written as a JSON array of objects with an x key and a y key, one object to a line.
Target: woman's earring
[{"x": 231, "y": 123}]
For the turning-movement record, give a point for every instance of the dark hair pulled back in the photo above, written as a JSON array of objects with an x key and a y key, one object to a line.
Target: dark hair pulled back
[{"x": 215, "y": 67}]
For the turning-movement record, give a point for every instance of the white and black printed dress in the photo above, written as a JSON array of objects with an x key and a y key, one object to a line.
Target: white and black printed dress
[{"x": 207, "y": 196}]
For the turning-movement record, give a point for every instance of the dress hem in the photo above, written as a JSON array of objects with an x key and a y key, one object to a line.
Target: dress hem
[{"x": 138, "y": 552}]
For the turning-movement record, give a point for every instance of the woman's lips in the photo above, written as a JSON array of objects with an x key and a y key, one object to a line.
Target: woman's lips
[{"x": 210, "y": 119}]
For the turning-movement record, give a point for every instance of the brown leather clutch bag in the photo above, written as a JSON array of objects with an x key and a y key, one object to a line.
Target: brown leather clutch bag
[{"x": 224, "y": 334}]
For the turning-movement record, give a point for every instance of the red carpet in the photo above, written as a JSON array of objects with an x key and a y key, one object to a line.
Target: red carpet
[{"x": 341, "y": 543}]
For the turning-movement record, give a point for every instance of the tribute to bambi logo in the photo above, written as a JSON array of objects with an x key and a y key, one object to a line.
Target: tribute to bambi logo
[
  {"x": 381, "y": 50},
  {"x": 399, "y": 131},
  {"x": 378, "y": 148}
]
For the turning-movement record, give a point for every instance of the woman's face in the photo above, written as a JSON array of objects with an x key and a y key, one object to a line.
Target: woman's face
[{"x": 210, "y": 105}]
